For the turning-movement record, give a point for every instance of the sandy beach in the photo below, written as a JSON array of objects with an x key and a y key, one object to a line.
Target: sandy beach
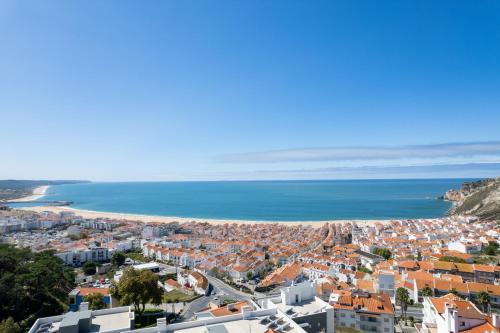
[
  {"x": 38, "y": 192},
  {"x": 167, "y": 219}
]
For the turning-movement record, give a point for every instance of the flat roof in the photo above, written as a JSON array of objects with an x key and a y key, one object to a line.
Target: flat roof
[
  {"x": 241, "y": 326},
  {"x": 303, "y": 308},
  {"x": 110, "y": 322},
  {"x": 147, "y": 265}
]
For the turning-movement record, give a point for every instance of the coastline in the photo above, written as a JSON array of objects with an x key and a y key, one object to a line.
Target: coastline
[
  {"x": 168, "y": 219},
  {"x": 37, "y": 193}
]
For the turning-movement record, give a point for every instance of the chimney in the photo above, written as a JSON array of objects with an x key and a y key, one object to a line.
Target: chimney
[
  {"x": 84, "y": 306},
  {"x": 496, "y": 320}
]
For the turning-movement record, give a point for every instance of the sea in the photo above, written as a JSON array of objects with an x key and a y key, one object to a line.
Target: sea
[{"x": 307, "y": 200}]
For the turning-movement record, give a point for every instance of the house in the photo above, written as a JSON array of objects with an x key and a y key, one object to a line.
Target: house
[
  {"x": 193, "y": 280},
  {"x": 451, "y": 314},
  {"x": 363, "y": 311},
  {"x": 77, "y": 297}
]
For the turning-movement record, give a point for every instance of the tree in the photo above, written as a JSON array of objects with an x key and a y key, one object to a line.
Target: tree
[
  {"x": 89, "y": 268},
  {"x": 95, "y": 301},
  {"x": 383, "y": 252},
  {"x": 137, "y": 288},
  {"x": 427, "y": 291},
  {"x": 9, "y": 326},
  {"x": 491, "y": 248},
  {"x": 453, "y": 259},
  {"x": 402, "y": 298},
  {"x": 118, "y": 259},
  {"x": 419, "y": 255},
  {"x": 455, "y": 292},
  {"x": 32, "y": 285},
  {"x": 483, "y": 298},
  {"x": 249, "y": 275}
]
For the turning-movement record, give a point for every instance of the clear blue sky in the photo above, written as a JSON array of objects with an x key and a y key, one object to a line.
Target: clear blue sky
[{"x": 153, "y": 90}]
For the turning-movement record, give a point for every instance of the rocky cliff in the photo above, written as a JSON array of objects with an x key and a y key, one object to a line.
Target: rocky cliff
[{"x": 481, "y": 199}]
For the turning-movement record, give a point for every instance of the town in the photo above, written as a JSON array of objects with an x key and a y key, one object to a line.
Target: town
[{"x": 427, "y": 276}]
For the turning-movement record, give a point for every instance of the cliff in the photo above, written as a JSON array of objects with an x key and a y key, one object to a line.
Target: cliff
[{"x": 481, "y": 199}]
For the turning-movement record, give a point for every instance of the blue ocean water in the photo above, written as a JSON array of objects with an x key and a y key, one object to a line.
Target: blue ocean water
[{"x": 265, "y": 200}]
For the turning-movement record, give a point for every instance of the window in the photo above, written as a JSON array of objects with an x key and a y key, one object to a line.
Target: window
[
  {"x": 386, "y": 329},
  {"x": 352, "y": 315},
  {"x": 342, "y": 315},
  {"x": 386, "y": 320}
]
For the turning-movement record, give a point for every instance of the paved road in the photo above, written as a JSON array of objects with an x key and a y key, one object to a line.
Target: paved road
[
  {"x": 415, "y": 312},
  {"x": 218, "y": 290}
]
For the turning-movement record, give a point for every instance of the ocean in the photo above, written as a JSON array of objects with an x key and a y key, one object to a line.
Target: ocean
[{"x": 265, "y": 200}]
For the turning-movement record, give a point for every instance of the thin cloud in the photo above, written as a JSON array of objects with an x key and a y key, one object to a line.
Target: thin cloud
[
  {"x": 356, "y": 153},
  {"x": 466, "y": 170}
]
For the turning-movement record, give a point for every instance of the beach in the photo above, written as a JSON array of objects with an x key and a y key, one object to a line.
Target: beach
[
  {"x": 168, "y": 219},
  {"x": 37, "y": 193}
]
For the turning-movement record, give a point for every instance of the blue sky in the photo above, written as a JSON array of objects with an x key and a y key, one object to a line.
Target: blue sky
[{"x": 173, "y": 90}]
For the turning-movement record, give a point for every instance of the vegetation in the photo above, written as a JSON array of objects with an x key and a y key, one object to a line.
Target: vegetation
[
  {"x": 89, "y": 268},
  {"x": 176, "y": 296},
  {"x": 9, "y": 326},
  {"x": 32, "y": 285},
  {"x": 427, "y": 291},
  {"x": 118, "y": 259},
  {"x": 403, "y": 299},
  {"x": 480, "y": 199},
  {"x": 14, "y": 189},
  {"x": 364, "y": 269},
  {"x": 483, "y": 298},
  {"x": 491, "y": 249},
  {"x": 455, "y": 292},
  {"x": 452, "y": 259},
  {"x": 95, "y": 301},
  {"x": 383, "y": 252},
  {"x": 137, "y": 288}
]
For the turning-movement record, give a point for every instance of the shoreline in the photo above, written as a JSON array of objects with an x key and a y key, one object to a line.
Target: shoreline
[
  {"x": 37, "y": 193},
  {"x": 168, "y": 219}
]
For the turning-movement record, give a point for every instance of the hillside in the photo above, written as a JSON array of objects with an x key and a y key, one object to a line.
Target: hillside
[
  {"x": 481, "y": 199},
  {"x": 14, "y": 189}
]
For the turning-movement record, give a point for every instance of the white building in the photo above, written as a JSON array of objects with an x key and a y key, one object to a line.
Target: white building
[
  {"x": 451, "y": 314},
  {"x": 78, "y": 257},
  {"x": 468, "y": 247}
]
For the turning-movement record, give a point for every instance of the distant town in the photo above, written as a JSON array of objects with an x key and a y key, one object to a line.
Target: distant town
[{"x": 427, "y": 276}]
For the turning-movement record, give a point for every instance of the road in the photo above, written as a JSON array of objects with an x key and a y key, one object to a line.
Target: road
[
  {"x": 415, "y": 312},
  {"x": 218, "y": 290}
]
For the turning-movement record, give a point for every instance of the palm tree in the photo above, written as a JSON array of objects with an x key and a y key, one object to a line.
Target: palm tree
[
  {"x": 483, "y": 298},
  {"x": 427, "y": 291},
  {"x": 403, "y": 298}
]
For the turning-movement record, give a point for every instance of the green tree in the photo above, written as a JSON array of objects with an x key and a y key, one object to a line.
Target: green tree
[
  {"x": 419, "y": 255},
  {"x": 32, "y": 285},
  {"x": 483, "y": 298},
  {"x": 453, "y": 259},
  {"x": 137, "y": 288},
  {"x": 402, "y": 299},
  {"x": 118, "y": 259},
  {"x": 383, "y": 252},
  {"x": 9, "y": 326},
  {"x": 455, "y": 292},
  {"x": 249, "y": 275},
  {"x": 491, "y": 248},
  {"x": 89, "y": 268},
  {"x": 427, "y": 291},
  {"x": 95, "y": 300}
]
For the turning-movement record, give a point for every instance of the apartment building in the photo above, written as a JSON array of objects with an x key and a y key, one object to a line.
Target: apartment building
[{"x": 363, "y": 311}]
